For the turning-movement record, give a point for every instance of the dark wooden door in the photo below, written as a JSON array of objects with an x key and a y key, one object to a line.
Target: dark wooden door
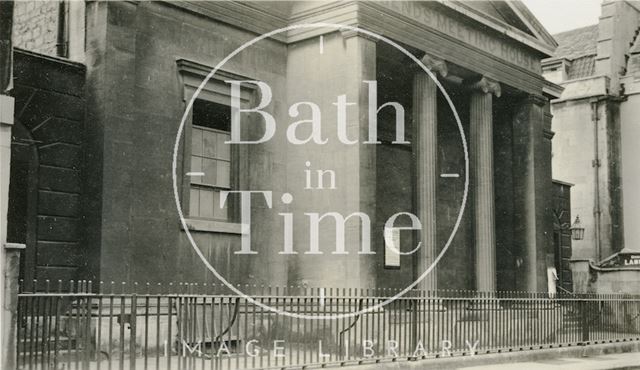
[{"x": 562, "y": 234}]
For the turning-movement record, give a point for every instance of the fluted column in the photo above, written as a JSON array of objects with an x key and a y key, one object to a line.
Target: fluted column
[
  {"x": 481, "y": 122},
  {"x": 425, "y": 150}
]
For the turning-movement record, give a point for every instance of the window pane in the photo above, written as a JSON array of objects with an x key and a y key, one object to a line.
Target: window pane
[
  {"x": 196, "y": 166},
  {"x": 209, "y": 143},
  {"x": 194, "y": 202},
  {"x": 206, "y": 203},
  {"x": 220, "y": 213},
  {"x": 212, "y": 115},
  {"x": 196, "y": 141},
  {"x": 210, "y": 172},
  {"x": 211, "y": 156},
  {"x": 223, "y": 150},
  {"x": 224, "y": 174}
]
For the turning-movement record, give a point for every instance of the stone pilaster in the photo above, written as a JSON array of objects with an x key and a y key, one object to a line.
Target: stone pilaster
[
  {"x": 352, "y": 55},
  {"x": 532, "y": 181},
  {"x": 481, "y": 121},
  {"x": 425, "y": 151}
]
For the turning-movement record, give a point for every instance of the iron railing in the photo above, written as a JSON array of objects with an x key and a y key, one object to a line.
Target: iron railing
[{"x": 190, "y": 326}]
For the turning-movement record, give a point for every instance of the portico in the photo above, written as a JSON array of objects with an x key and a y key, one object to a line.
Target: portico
[
  {"x": 481, "y": 206},
  {"x": 504, "y": 235}
]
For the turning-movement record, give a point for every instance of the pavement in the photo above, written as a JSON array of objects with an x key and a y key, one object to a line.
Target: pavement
[
  {"x": 610, "y": 361},
  {"x": 615, "y": 355}
]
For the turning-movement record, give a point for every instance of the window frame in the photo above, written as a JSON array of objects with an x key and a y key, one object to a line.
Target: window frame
[
  {"x": 217, "y": 187},
  {"x": 191, "y": 75}
]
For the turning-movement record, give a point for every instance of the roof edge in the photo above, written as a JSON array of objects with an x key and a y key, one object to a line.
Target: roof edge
[
  {"x": 524, "y": 38},
  {"x": 532, "y": 21}
]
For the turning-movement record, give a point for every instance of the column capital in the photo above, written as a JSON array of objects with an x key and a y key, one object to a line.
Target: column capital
[
  {"x": 349, "y": 33},
  {"x": 434, "y": 64},
  {"x": 487, "y": 86}
]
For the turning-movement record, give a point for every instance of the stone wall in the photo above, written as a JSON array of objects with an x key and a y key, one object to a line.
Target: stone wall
[
  {"x": 630, "y": 126},
  {"x": 35, "y": 26},
  {"x": 136, "y": 101},
  {"x": 576, "y": 153},
  {"x": 617, "y": 29},
  {"x": 50, "y": 106},
  {"x": 589, "y": 278}
]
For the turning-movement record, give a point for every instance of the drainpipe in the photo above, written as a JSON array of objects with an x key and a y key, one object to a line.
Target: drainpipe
[
  {"x": 62, "y": 44},
  {"x": 595, "y": 163},
  {"x": 6, "y": 47}
]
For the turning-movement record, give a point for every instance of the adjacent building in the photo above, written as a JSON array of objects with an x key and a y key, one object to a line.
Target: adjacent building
[
  {"x": 596, "y": 126},
  {"x": 595, "y": 145}
]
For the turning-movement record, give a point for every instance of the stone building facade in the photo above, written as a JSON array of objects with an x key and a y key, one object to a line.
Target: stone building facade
[
  {"x": 37, "y": 26},
  {"x": 54, "y": 28},
  {"x": 146, "y": 60},
  {"x": 596, "y": 125}
]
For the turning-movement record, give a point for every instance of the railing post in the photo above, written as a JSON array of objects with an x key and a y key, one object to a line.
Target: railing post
[
  {"x": 10, "y": 304},
  {"x": 585, "y": 320}
]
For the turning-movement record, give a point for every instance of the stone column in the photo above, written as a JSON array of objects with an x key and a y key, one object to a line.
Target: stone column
[
  {"x": 481, "y": 156},
  {"x": 425, "y": 152}
]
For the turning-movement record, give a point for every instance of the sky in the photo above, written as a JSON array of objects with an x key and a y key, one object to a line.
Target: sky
[{"x": 563, "y": 15}]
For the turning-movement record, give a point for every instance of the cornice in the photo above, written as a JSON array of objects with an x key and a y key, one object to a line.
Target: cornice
[
  {"x": 192, "y": 74},
  {"x": 444, "y": 46},
  {"x": 366, "y": 15},
  {"x": 538, "y": 100},
  {"x": 202, "y": 70},
  {"x": 337, "y": 12},
  {"x": 348, "y": 33},
  {"x": 240, "y": 14},
  {"x": 304, "y": 15},
  {"x": 552, "y": 89},
  {"x": 50, "y": 58},
  {"x": 258, "y": 19}
]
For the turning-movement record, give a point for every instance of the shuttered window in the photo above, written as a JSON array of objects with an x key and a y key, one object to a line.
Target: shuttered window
[{"x": 210, "y": 160}]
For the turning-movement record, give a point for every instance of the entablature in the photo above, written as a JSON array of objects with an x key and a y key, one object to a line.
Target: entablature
[{"x": 447, "y": 31}]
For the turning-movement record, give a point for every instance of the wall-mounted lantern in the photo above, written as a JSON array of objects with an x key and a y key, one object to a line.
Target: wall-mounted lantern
[{"x": 577, "y": 231}]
